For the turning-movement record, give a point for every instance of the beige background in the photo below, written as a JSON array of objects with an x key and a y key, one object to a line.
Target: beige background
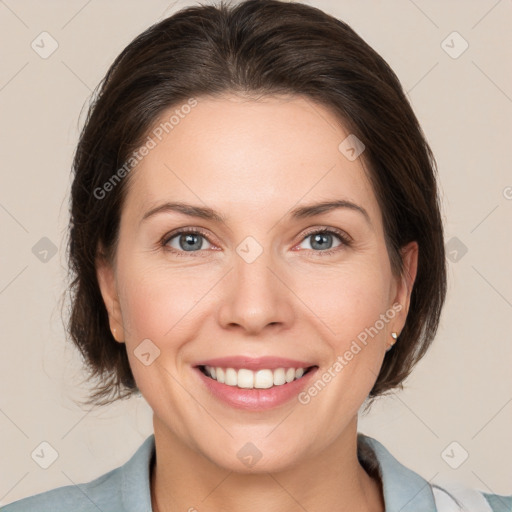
[{"x": 460, "y": 392}]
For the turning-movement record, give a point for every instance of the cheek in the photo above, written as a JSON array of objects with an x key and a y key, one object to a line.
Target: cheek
[
  {"x": 156, "y": 300},
  {"x": 162, "y": 305},
  {"x": 350, "y": 303},
  {"x": 156, "y": 305},
  {"x": 347, "y": 299}
]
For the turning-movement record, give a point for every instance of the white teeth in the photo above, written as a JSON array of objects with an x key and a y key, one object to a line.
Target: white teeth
[
  {"x": 279, "y": 377},
  {"x": 263, "y": 379},
  {"x": 247, "y": 379},
  {"x": 231, "y": 377}
]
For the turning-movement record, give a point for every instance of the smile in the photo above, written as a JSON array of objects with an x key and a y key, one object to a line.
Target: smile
[{"x": 248, "y": 379}]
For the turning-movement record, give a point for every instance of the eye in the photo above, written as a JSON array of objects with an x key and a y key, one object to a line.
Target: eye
[
  {"x": 185, "y": 240},
  {"x": 188, "y": 240},
  {"x": 322, "y": 240}
]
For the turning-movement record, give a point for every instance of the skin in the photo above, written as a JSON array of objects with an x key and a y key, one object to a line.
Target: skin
[{"x": 253, "y": 161}]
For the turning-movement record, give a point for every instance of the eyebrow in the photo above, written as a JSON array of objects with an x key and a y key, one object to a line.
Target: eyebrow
[
  {"x": 301, "y": 212},
  {"x": 311, "y": 210}
]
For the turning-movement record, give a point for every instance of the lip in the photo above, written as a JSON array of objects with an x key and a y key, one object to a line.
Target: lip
[
  {"x": 255, "y": 363},
  {"x": 255, "y": 399}
]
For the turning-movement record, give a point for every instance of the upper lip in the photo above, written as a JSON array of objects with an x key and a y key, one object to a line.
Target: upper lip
[{"x": 254, "y": 363}]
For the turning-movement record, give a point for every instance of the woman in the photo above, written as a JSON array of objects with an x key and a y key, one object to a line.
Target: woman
[{"x": 257, "y": 249}]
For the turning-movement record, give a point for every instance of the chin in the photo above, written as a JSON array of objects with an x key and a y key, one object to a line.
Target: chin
[{"x": 254, "y": 457}]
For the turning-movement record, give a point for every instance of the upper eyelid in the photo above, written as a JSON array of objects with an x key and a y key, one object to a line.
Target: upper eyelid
[{"x": 336, "y": 231}]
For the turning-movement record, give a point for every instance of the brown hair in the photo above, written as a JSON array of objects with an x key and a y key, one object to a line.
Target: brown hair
[{"x": 258, "y": 47}]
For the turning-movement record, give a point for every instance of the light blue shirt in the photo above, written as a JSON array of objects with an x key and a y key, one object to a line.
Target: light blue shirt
[{"x": 127, "y": 488}]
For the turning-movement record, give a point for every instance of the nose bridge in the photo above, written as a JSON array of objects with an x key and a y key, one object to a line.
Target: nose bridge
[{"x": 256, "y": 297}]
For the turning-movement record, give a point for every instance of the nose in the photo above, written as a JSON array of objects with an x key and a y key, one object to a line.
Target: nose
[{"x": 255, "y": 297}]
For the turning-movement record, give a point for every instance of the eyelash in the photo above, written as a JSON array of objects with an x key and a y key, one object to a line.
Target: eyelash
[{"x": 346, "y": 241}]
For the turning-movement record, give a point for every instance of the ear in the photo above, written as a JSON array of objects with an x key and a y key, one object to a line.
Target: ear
[
  {"x": 108, "y": 287},
  {"x": 405, "y": 283}
]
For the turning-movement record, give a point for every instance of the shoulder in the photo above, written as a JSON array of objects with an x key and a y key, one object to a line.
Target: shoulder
[
  {"x": 125, "y": 488},
  {"x": 101, "y": 492},
  {"x": 407, "y": 491},
  {"x": 499, "y": 503},
  {"x": 456, "y": 497}
]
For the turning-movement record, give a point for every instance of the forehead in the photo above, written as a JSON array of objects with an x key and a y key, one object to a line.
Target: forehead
[{"x": 249, "y": 157}]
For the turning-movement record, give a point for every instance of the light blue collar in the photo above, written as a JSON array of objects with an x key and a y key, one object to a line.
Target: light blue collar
[
  {"x": 404, "y": 490},
  {"x": 136, "y": 493}
]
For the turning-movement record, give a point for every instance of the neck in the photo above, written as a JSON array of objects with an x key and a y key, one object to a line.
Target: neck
[{"x": 183, "y": 479}]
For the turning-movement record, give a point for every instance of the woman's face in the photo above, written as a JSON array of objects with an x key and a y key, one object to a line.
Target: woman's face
[{"x": 256, "y": 289}]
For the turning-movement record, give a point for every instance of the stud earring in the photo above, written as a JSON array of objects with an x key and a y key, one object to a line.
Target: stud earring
[{"x": 394, "y": 335}]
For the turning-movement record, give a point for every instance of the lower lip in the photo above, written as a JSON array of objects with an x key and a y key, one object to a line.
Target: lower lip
[{"x": 256, "y": 399}]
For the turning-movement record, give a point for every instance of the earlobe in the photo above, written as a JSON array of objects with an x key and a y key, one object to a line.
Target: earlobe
[{"x": 108, "y": 288}]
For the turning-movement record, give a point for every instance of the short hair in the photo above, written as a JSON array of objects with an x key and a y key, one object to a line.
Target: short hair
[{"x": 255, "y": 47}]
